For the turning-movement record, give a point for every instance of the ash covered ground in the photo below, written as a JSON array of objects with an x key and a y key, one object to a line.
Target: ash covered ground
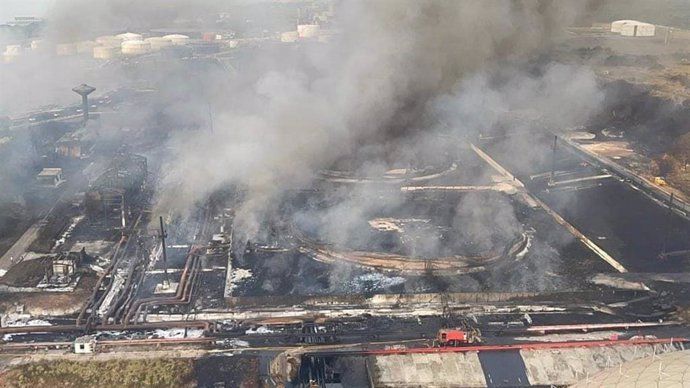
[{"x": 377, "y": 217}]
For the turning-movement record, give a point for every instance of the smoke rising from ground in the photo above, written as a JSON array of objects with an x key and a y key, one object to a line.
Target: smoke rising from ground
[
  {"x": 397, "y": 69},
  {"x": 398, "y": 74}
]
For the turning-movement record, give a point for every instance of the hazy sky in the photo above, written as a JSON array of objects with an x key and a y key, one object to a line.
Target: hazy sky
[{"x": 11, "y": 8}]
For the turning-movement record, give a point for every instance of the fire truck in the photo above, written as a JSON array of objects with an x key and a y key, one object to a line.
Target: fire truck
[{"x": 457, "y": 337}]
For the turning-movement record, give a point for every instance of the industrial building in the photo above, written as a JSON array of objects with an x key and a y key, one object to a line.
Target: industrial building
[
  {"x": 51, "y": 177},
  {"x": 76, "y": 144},
  {"x": 111, "y": 196},
  {"x": 85, "y": 344}
]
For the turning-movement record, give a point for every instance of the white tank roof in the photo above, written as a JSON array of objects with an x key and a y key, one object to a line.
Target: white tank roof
[
  {"x": 130, "y": 36},
  {"x": 178, "y": 39}
]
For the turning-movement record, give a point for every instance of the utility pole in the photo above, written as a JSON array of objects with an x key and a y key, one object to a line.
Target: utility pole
[
  {"x": 163, "y": 235},
  {"x": 667, "y": 232},
  {"x": 553, "y": 161}
]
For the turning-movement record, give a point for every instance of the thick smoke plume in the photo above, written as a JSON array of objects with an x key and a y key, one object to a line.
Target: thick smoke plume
[
  {"x": 397, "y": 69},
  {"x": 394, "y": 74}
]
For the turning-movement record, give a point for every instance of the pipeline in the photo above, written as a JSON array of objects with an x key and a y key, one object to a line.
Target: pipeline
[
  {"x": 205, "y": 325},
  {"x": 91, "y": 302},
  {"x": 181, "y": 294},
  {"x": 188, "y": 279},
  {"x": 109, "y": 343},
  {"x": 500, "y": 348},
  {"x": 596, "y": 326}
]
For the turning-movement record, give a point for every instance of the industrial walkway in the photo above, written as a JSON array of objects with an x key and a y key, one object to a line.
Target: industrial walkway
[{"x": 654, "y": 192}]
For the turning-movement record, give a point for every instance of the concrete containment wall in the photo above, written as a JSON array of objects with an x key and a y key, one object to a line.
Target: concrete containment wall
[{"x": 503, "y": 368}]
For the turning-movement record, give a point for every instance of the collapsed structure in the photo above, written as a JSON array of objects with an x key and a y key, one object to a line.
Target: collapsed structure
[{"x": 110, "y": 198}]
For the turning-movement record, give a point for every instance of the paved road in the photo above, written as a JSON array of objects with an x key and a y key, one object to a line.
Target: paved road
[{"x": 15, "y": 253}]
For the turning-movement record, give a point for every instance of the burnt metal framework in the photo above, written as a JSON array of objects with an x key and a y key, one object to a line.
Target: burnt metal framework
[{"x": 113, "y": 193}]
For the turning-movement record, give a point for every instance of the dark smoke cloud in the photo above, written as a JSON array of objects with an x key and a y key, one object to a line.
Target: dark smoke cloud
[
  {"x": 372, "y": 85},
  {"x": 378, "y": 89}
]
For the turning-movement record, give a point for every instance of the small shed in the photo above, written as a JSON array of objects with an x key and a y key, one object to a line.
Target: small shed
[
  {"x": 50, "y": 177},
  {"x": 85, "y": 344},
  {"x": 66, "y": 264}
]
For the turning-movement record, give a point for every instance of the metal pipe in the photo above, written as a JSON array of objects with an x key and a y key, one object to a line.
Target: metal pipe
[
  {"x": 553, "y": 161},
  {"x": 667, "y": 231},
  {"x": 166, "y": 281}
]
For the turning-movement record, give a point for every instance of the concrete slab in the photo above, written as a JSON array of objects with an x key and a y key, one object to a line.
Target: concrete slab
[
  {"x": 171, "y": 289},
  {"x": 438, "y": 370},
  {"x": 541, "y": 367}
]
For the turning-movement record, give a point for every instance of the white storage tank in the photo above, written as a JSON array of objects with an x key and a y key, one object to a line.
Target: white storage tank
[
  {"x": 109, "y": 40},
  {"x": 14, "y": 49},
  {"x": 130, "y": 36},
  {"x": 617, "y": 25},
  {"x": 65, "y": 49},
  {"x": 86, "y": 47},
  {"x": 12, "y": 52},
  {"x": 157, "y": 43},
  {"x": 39, "y": 44},
  {"x": 289, "y": 37},
  {"x": 178, "y": 39},
  {"x": 308, "y": 30},
  {"x": 135, "y": 47},
  {"x": 106, "y": 52}
]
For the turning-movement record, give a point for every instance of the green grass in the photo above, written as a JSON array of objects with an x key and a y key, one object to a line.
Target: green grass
[{"x": 119, "y": 373}]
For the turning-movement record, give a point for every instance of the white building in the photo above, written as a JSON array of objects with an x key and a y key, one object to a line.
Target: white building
[
  {"x": 617, "y": 25},
  {"x": 85, "y": 344},
  {"x": 50, "y": 177},
  {"x": 308, "y": 30},
  {"x": 633, "y": 28},
  {"x": 638, "y": 29}
]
